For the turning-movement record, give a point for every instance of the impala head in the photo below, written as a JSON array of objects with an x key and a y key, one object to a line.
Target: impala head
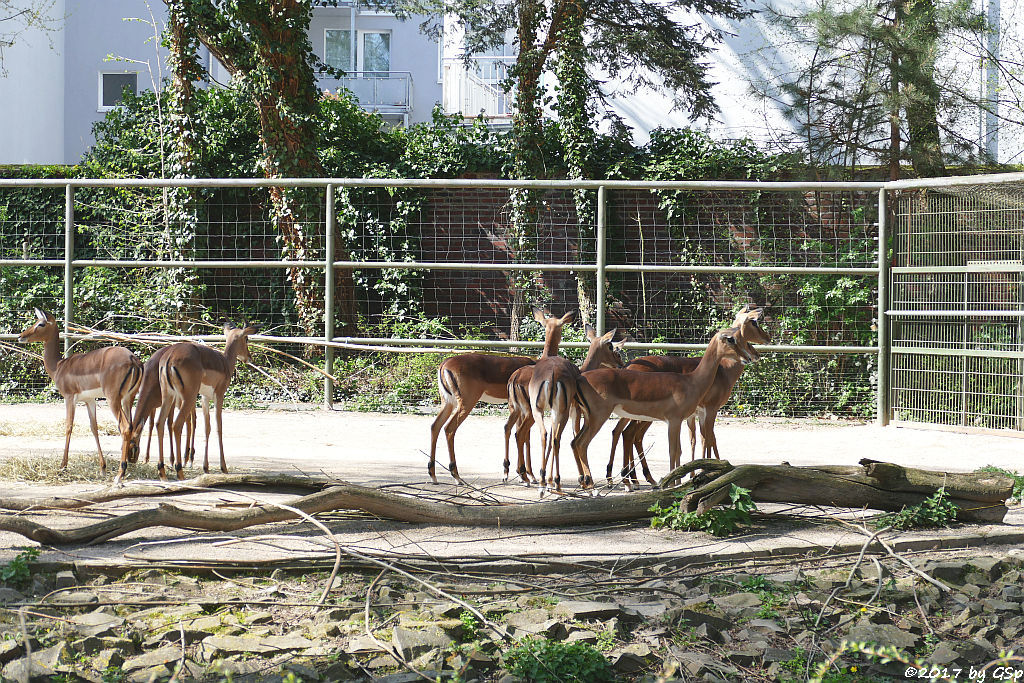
[
  {"x": 44, "y": 326},
  {"x": 749, "y": 321},
  {"x": 733, "y": 346},
  {"x": 552, "y": 325},
  {"x": 240, "y": 337},
  {"x": 603, "y": 352},
  {"x": 130, "y": 444}
]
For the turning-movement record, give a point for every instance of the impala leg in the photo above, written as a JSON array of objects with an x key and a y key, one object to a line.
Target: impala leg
[
  {"x": 707, "y": 433},
  {"x": 220, "y": 433},
  {"x": 149, "y": 439},
  {"x": 435, "y": 430},
  {"x": 206, "y": 426},
  {"x": 523, "y": 446},
  {"x": 69, "y": 424},
  {"x": 449, "y": 433},
  {"x": 90, "y": 407},
  {"x": 675, "y": 448},
  {"x": 513, "y": 419},
  {"x": 632, "y": 435},
  {"x": 161, "y": 424},
  {"x": 616, "y": 433},
  {"x": 641, "y": 454}
]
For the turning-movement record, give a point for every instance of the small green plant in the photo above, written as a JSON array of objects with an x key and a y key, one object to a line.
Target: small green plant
[
  {"x": 758, "y": 584},
  {"x": 1018, "y": 480},
  {"x": 470, "y": 625},
  {"x": 540, "y": 660},
  {"x": 606, "y": 640},
  {"x": 113, "y": 674},
  {"x": 17, "y": 572},
  {"x": 717, "y": 521},
  {"x": 934, "y": 511}
]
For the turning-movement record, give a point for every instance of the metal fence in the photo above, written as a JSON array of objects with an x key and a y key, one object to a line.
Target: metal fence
[{"x": 432, "y": 265}]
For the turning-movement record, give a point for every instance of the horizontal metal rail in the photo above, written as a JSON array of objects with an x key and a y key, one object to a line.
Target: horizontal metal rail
[
  {"x": 941, "y": 351},
  {"x": 764, "y": 270},
  {"x": 670, "y": 185},
  {"x": 971, "y": 268},
  {"x": 939, "y": 183},
  {"x": 915, "y": 313}
]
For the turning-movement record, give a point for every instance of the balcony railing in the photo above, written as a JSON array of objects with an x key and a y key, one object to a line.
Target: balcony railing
[
  {"x": 387, "y": 91},
  {"x": 475, "y": 88}
]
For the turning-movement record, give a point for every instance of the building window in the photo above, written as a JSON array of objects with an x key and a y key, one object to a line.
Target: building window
[
  {"x": 112, "y": 87},
  {"x": 338, "y": 49},
  {"x": 375, "y": 51},
  {"x": 373, "y": 54}
]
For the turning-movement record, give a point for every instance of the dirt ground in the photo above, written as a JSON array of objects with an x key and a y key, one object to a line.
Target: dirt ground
[{"x": 379, "y": 449}]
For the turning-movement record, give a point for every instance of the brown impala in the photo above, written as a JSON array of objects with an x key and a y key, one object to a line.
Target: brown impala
[
  {"x": 113, "y": 372},
  {"x": 665, "y": 396},
  {"x": 748, "y": 321},
  {"x": 464, "y": 380}
]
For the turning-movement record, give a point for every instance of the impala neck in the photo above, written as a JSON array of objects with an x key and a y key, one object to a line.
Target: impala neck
[
  {"x": 231, "y": 354},
  {"x": 551, "y": 343},
  {"x": 704, "y": 373},
  {"x": 51, "y": 352}
]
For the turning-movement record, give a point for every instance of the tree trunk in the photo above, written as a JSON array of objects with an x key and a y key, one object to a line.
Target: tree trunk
[{"x": 880, "y": 486}]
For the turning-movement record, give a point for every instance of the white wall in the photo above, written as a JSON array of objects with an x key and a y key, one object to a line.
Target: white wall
[{"x": 32, "y": 97}]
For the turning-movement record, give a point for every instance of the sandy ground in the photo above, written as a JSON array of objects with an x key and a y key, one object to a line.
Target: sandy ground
[{"x": 377, "y": 449}]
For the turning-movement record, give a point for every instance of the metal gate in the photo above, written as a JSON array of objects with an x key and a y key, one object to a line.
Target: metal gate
[{"x": 957, "y": 303}]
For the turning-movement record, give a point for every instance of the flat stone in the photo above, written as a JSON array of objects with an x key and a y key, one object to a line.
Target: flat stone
[
  {"x": 107, "y": 658},
  {"x": 945, "y": 571},
  {"x": 775, "y": 654},
  {"x": 527, "y": 617},
  {"x": 1012, "y": 592},
  {"x": 76, "y": 598},
  {"x": 582, "y": 636},
  {"x": 65, "y": 579},
  {"x": 993, "y": 605},
  {"x": 642, "y": 611},
  {"x": 581, "y": 610},
  {"x": 8, "y": 595},
  {"x": 362, "y": 644},
  {"x": 96, "y": 623},
  {"x": 708, "y": 632},
  {"x": 150, "y": 674},
  {"x": 153, "y": 658},
  {"x": 54, "y": 657},
  {"x": 765, "y": 626},
  {"x": 971, "y": 589},
  {"x": 694, "y": 618},
  {"x": 743, "y": 657},
  {"x": 16, "y": 671},
  {"x": 882, "y": 634},
  {"x": 988, "y": 565},
  {"x": 552, "y": 628},
  {"x": 214, "y": 645},
  {"x": 414, "y": 642},
  {"x": 737, "y": 601},
  {"x": 942, "y": 655},
  {"x": 629, "y": 663},
  {"x": 301, "y": 671}
]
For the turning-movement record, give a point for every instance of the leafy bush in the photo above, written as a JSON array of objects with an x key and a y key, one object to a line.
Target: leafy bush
[
  {"x": 540, "y": 660},
  {"x": 934, "y": 511},
  {"x": 717, "y": 521},
  {"x": 17, "y": 572}
]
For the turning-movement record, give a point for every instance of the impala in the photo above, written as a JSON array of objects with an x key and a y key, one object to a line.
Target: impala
[
  {"x": 748, "y": 321},
  {"x": 665, "y": 396},
  {"x": 464, "y": 380},
  {"x": 602, "y": 353},
  {"x": 113, "y": 372},
  {"x": 215, "y": 370}
]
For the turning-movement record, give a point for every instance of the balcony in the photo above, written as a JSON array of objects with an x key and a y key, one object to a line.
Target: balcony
[
  {"x": 385, "y": 92},
  {"x": 475, "y": 88}
]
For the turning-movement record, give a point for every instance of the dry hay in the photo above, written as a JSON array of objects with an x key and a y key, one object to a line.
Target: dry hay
[{"x": 44, "y": 468}]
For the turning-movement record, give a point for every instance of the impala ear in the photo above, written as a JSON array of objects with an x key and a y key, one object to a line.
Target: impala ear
[
  {"x": 590, "y": 332},
  {"x": 249, "y": 329},
  {"x": 538, "y": 314},
  {"x": 567, "y": 318},
  {"x": 39, "y": 314},
  {"x": 608, "y": 336}
]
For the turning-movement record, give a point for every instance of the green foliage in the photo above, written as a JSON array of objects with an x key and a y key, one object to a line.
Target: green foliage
[
  {"x": 717, "y": 521},
  {"x": 17, "y": 572},
  {"x": 470, "y": 625},
  {"x": 1018, "y": 480},
  {"x": 540, "y": 660},
  {"x": 934, "y": 511}
]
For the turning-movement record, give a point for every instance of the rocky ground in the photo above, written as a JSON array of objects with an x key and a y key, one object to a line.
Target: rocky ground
[{"x": 765, "y": 620}]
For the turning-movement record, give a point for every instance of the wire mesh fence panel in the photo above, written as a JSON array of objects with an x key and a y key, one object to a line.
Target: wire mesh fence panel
[{"x": 958, "y": 306}]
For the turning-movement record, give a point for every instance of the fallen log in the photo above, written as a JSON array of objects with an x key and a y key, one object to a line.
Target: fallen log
[{"x": 768, "y": 483}]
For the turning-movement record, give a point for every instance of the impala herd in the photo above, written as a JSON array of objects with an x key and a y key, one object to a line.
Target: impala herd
[{"x": 549, "y": 391}]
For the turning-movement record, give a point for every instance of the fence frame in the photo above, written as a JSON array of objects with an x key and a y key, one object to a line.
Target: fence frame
[{"x": 600, "y": 267}]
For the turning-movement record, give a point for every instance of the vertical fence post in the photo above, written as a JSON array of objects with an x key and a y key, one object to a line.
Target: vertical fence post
[
  {"x": 602, "y": 258},
  {"x": 883, "y": 304},
  {"x": 329, "y": 297},
  {"x": 69, "y": 256}
]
